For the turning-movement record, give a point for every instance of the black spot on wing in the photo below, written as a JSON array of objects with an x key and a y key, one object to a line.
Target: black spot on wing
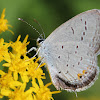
[
  {"x": 78, "y": 63},
  {"x": 85, "y": 28},
  {"x": 58, "y": 56},
  {"x": 81, "y": 38},
  {"x": 75, "y": 52},
  {"x": 77, "y": 46},
  {"x": 72, "y": 30},
  {"x": 81, "y": 58},
  {"x": 83, "y": 33},
  {"x": 59, "y": 72},
  {"x": 85, "y": 22},
  {"x": 67, "y": 65},
  {"x": 67, "y": 72}
]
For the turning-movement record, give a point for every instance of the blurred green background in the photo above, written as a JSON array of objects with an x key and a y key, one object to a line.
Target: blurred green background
[{"x": 50, "y": 14}]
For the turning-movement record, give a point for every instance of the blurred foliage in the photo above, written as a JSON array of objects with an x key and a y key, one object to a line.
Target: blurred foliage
[{"x": 50, "y": 14}]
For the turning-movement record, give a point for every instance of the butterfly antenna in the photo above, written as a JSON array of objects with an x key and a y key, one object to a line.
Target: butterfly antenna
[
  {"x": 40, "y": 27},
  {"x": 30, "y": 26}
]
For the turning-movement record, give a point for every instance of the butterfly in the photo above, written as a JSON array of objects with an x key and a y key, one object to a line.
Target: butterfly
[{"x": 70, "y": 52}]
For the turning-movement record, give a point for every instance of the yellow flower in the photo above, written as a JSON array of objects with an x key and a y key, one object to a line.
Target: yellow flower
[
  {"x": 42, "y": 92},
  {"x": 20, "y": 93},
  {"x": 34, "y": 71},
  {"x": 17, "y": 65},
  {"x": 22, "y": 69},
  {"x": 20, "y": 47},
  {"x": 26, "y": 67},
  {"x": 14, "y": 62},
  {"x": 7, "y": 83},
  {"x": 3, "y": 49},
  {"x": 4, "y": 23}
]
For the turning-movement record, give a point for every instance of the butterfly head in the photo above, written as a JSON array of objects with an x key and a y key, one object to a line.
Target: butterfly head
[{"x": 40, "y": 41}]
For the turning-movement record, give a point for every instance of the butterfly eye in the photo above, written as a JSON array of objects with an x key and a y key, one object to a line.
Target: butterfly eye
[{"x": 39, "y": 41}]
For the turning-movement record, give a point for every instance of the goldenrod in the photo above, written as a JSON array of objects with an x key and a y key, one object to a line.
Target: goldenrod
[
  {"x": 18, "y": 46},
  {"x": 4, "y": 23},
  {"x": 42, "y": 92},
  {"x": 21, "y": 70},
  {"x": 3, "y": 49}
]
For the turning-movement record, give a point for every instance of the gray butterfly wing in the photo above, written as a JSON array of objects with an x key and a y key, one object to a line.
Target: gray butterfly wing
[{"x": 70, "y": 52}]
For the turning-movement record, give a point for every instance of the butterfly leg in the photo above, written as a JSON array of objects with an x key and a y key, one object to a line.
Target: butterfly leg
[
  {"x": 40, "y": 63},
  {"x": 33, "y": 48}
]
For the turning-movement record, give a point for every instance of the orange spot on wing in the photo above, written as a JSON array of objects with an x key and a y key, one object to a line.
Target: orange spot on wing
[{"x": 79, "y": 75}]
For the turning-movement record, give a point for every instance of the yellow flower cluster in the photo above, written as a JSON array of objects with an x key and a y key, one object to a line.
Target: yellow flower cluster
[
  {"x": 18, "y": 70},
  {"x": 4, "y": 23}
]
